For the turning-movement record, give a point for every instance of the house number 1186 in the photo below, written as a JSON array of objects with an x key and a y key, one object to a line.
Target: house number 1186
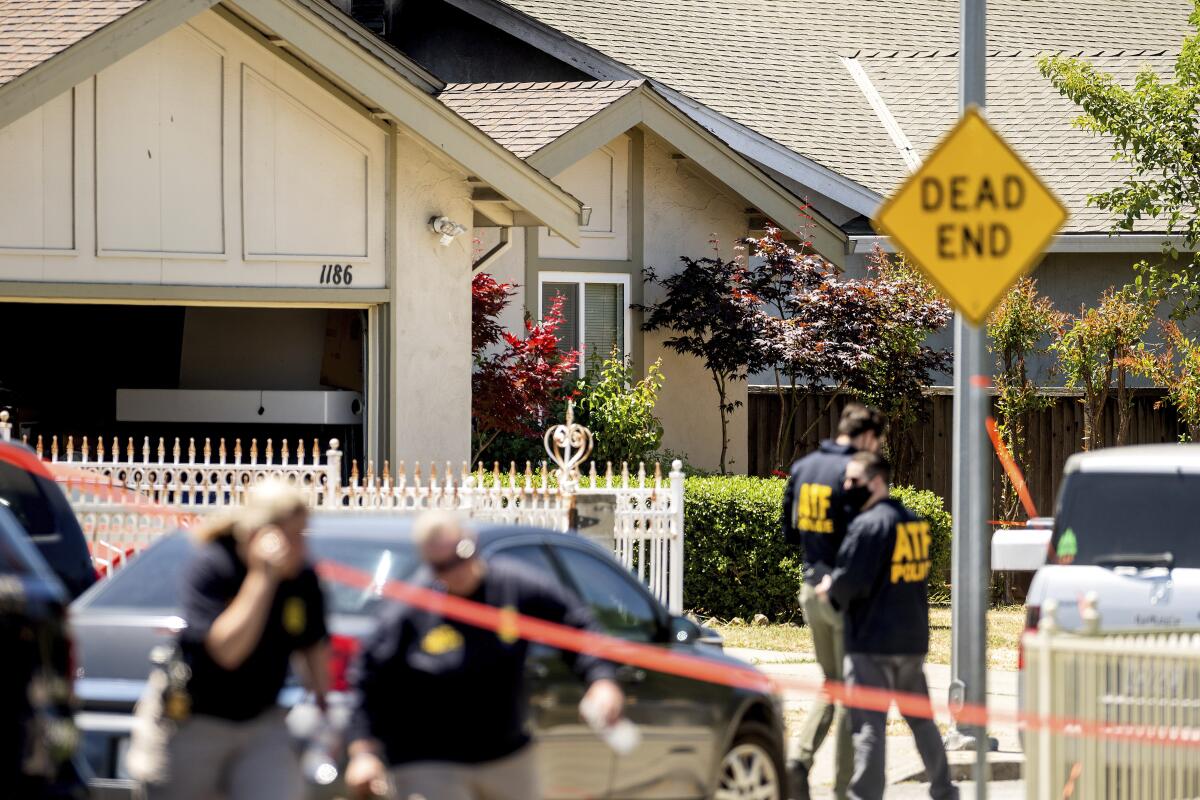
[{"x": 336, "y": 274}]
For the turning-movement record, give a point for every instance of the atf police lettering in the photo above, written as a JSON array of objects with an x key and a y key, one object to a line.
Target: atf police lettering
[
  {"x": 812, "y": 508},
  {"x": 910, "y": 557}
]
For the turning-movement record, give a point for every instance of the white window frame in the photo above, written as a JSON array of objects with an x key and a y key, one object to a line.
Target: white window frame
[{"x": 581, "y": 278}]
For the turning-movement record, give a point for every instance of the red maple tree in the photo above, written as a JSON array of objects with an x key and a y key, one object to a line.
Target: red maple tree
[{"x": 517, "y": 379}]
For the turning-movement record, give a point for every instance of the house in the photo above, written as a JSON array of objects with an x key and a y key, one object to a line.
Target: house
[
  {"x": 215, "y": 218},
  {"x": 237, "y": 196},
  {"x": 833, "y": 103}
]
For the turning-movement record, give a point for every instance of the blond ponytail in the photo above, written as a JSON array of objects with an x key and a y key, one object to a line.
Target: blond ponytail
[{"x": 268, "y": 503}]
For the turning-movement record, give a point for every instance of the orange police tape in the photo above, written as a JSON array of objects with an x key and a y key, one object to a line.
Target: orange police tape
[
  {"x": 1011, "y": 468},
  {"x": 658, "y": 659},
  {"x": 654, "y": 658}
]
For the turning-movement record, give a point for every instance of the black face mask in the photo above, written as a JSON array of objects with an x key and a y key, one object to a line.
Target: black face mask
[{"x": 856, "y": 497}]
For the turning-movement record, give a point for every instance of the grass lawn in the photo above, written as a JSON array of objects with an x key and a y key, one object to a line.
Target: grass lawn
[{"x": 1004, "y": 630}]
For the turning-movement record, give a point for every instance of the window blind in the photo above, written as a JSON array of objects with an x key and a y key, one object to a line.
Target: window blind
[
  {"x": 568, "y": 332},
  {"x": 604, "y": 326}
]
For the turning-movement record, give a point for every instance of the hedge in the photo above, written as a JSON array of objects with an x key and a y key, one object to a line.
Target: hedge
[{"x": 736, "y": 563}]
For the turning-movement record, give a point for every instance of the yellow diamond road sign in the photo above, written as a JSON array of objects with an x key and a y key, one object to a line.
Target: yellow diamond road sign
[{"x": 974, "y": 217}]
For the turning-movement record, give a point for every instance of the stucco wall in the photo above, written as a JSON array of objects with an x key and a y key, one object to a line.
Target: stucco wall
[
  {"x": 202, "y": 158},
  {"x": 682, "y": 212},
  {"x": 431, "y": 315}
]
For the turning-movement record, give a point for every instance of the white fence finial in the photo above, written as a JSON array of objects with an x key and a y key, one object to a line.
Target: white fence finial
[{"x": 568, "y": 446}]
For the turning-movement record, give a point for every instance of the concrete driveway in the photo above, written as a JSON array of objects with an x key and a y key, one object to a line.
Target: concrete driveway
[{"x": 903, "y": 762}]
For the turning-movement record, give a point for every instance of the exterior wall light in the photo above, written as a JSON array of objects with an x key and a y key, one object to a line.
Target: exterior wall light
[{"x": 447, "y": 228}]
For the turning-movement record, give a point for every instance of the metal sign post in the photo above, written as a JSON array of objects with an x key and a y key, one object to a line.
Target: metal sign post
[
  {"x": 972, "y": 485},
  {"x": 974, "y": 218}
]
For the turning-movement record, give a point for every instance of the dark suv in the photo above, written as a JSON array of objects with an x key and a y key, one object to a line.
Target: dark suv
[
  {"x": 37, "y": 731},
  {"x": 29, "y": 491},
  {"x": 698, "y": 739}
]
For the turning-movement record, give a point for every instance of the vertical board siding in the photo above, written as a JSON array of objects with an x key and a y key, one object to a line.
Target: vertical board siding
[{"x": 1053, "y": 434}]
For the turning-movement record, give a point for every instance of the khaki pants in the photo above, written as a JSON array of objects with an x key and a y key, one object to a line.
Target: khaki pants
[
  {"x": 827, "y": 630},
  {"x": 211, "y": 757},
  {"x": 513, "y": 777}
]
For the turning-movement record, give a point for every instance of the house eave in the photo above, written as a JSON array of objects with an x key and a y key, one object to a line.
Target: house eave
[{"x": 1066, "y": 243}]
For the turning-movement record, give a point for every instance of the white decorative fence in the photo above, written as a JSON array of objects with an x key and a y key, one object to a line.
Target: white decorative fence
[
  {"x": 1127, "y": 712},
  {"x": 125, "y": 497}
]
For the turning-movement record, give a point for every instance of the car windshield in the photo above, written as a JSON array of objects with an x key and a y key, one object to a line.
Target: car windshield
[
  {"x": 151, "y": 581},
  {"x": 1106, "y": 514}
]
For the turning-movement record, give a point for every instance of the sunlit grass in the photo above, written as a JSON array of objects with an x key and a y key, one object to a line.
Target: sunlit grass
[{"x": 1004, "y": 631}]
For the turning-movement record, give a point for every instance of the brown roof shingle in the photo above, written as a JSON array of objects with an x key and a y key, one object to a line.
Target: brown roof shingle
[
  {"x": 776, "y": 66},
  {"x": 920, "y": 92},
  {"x": 34, "y": 31},
  {"x": 525, "y": 117}
]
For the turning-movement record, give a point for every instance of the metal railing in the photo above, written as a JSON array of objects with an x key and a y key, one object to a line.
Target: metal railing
[
  {"x": 1128, "y": 707},
  {"x": 126, "y": 496}
]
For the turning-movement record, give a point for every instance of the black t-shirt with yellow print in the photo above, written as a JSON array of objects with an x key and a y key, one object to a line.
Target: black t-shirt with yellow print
[
  {"x": 296, "y": 622},
  {"x": 814, "y": 506},
  {"x": 880, "y": 581},
  {"x": 435, "y": 689}
]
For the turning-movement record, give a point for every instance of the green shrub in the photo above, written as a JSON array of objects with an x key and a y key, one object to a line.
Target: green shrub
[
  {"x": 929, "y": 505},
  {"x": 735, "y": 560},
  {"x": 736, "y": 563},
  {"x": 619, "y": 409}
]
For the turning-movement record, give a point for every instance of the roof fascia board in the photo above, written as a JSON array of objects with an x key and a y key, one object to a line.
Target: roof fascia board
[
  {"x": 93, "y": 53},
  {"x": 644, "y": 106},
  {"x": 590, "y": 135},
  {"x": 746, "y": 141},
  {"x": 310, "y": 35},
  {"x": 1066, "y": 243},
  {"x": 770, "y": 153}
]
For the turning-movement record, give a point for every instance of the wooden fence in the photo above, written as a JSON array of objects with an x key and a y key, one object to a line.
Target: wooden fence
[{"x": 1054, "y": 434}]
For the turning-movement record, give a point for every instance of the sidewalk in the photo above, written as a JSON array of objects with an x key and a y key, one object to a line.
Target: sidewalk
[{"x": 903, "y": 762}]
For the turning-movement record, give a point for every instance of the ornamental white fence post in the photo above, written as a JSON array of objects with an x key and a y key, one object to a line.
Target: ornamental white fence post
[
  {"x": 333, "y": 475},
  {"x": 676, "y": 528}
]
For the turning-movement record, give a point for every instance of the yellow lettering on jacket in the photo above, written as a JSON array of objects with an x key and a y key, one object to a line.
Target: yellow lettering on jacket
[
  {"x": 910, "y": 556},
  {"x": 812, "y": 508}
]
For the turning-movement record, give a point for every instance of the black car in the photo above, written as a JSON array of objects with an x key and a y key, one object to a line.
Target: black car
[
  {"x": 29, "y": 491},
  {"x": 37, "y": 731},
  {"x": 698, "y": 739}
]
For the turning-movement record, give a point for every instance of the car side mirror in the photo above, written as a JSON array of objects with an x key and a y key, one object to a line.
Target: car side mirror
[{"x": 685, "y": 631}]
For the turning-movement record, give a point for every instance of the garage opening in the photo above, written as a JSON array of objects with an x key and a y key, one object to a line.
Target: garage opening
[{"x": 176, "y": 371}]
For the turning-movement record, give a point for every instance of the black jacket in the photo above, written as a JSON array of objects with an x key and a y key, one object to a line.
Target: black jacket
[
  {"x": 814, "y": 506},
  {"x": 434, "y": 689},
  {"x": 880, "y": 581}
]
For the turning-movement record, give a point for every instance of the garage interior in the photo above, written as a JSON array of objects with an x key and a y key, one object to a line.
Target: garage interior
[{"x": 184, "y": 371}]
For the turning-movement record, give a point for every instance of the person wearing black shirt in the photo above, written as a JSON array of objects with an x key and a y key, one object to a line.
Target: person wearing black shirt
[
  {"x": 250, "y": 601},
  {"x": 443, "y": 703},
  {"x": 880, "y": 582},
  {"x": 815, "y": 516}
]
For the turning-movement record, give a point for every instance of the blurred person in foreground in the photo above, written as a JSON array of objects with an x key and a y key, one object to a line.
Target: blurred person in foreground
[
  {"x": 442, "y": 704},
  {"x": 251, "y": 602},
  {"x": 880, "y": 583},
  {"x": 816, "y": 512}
]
